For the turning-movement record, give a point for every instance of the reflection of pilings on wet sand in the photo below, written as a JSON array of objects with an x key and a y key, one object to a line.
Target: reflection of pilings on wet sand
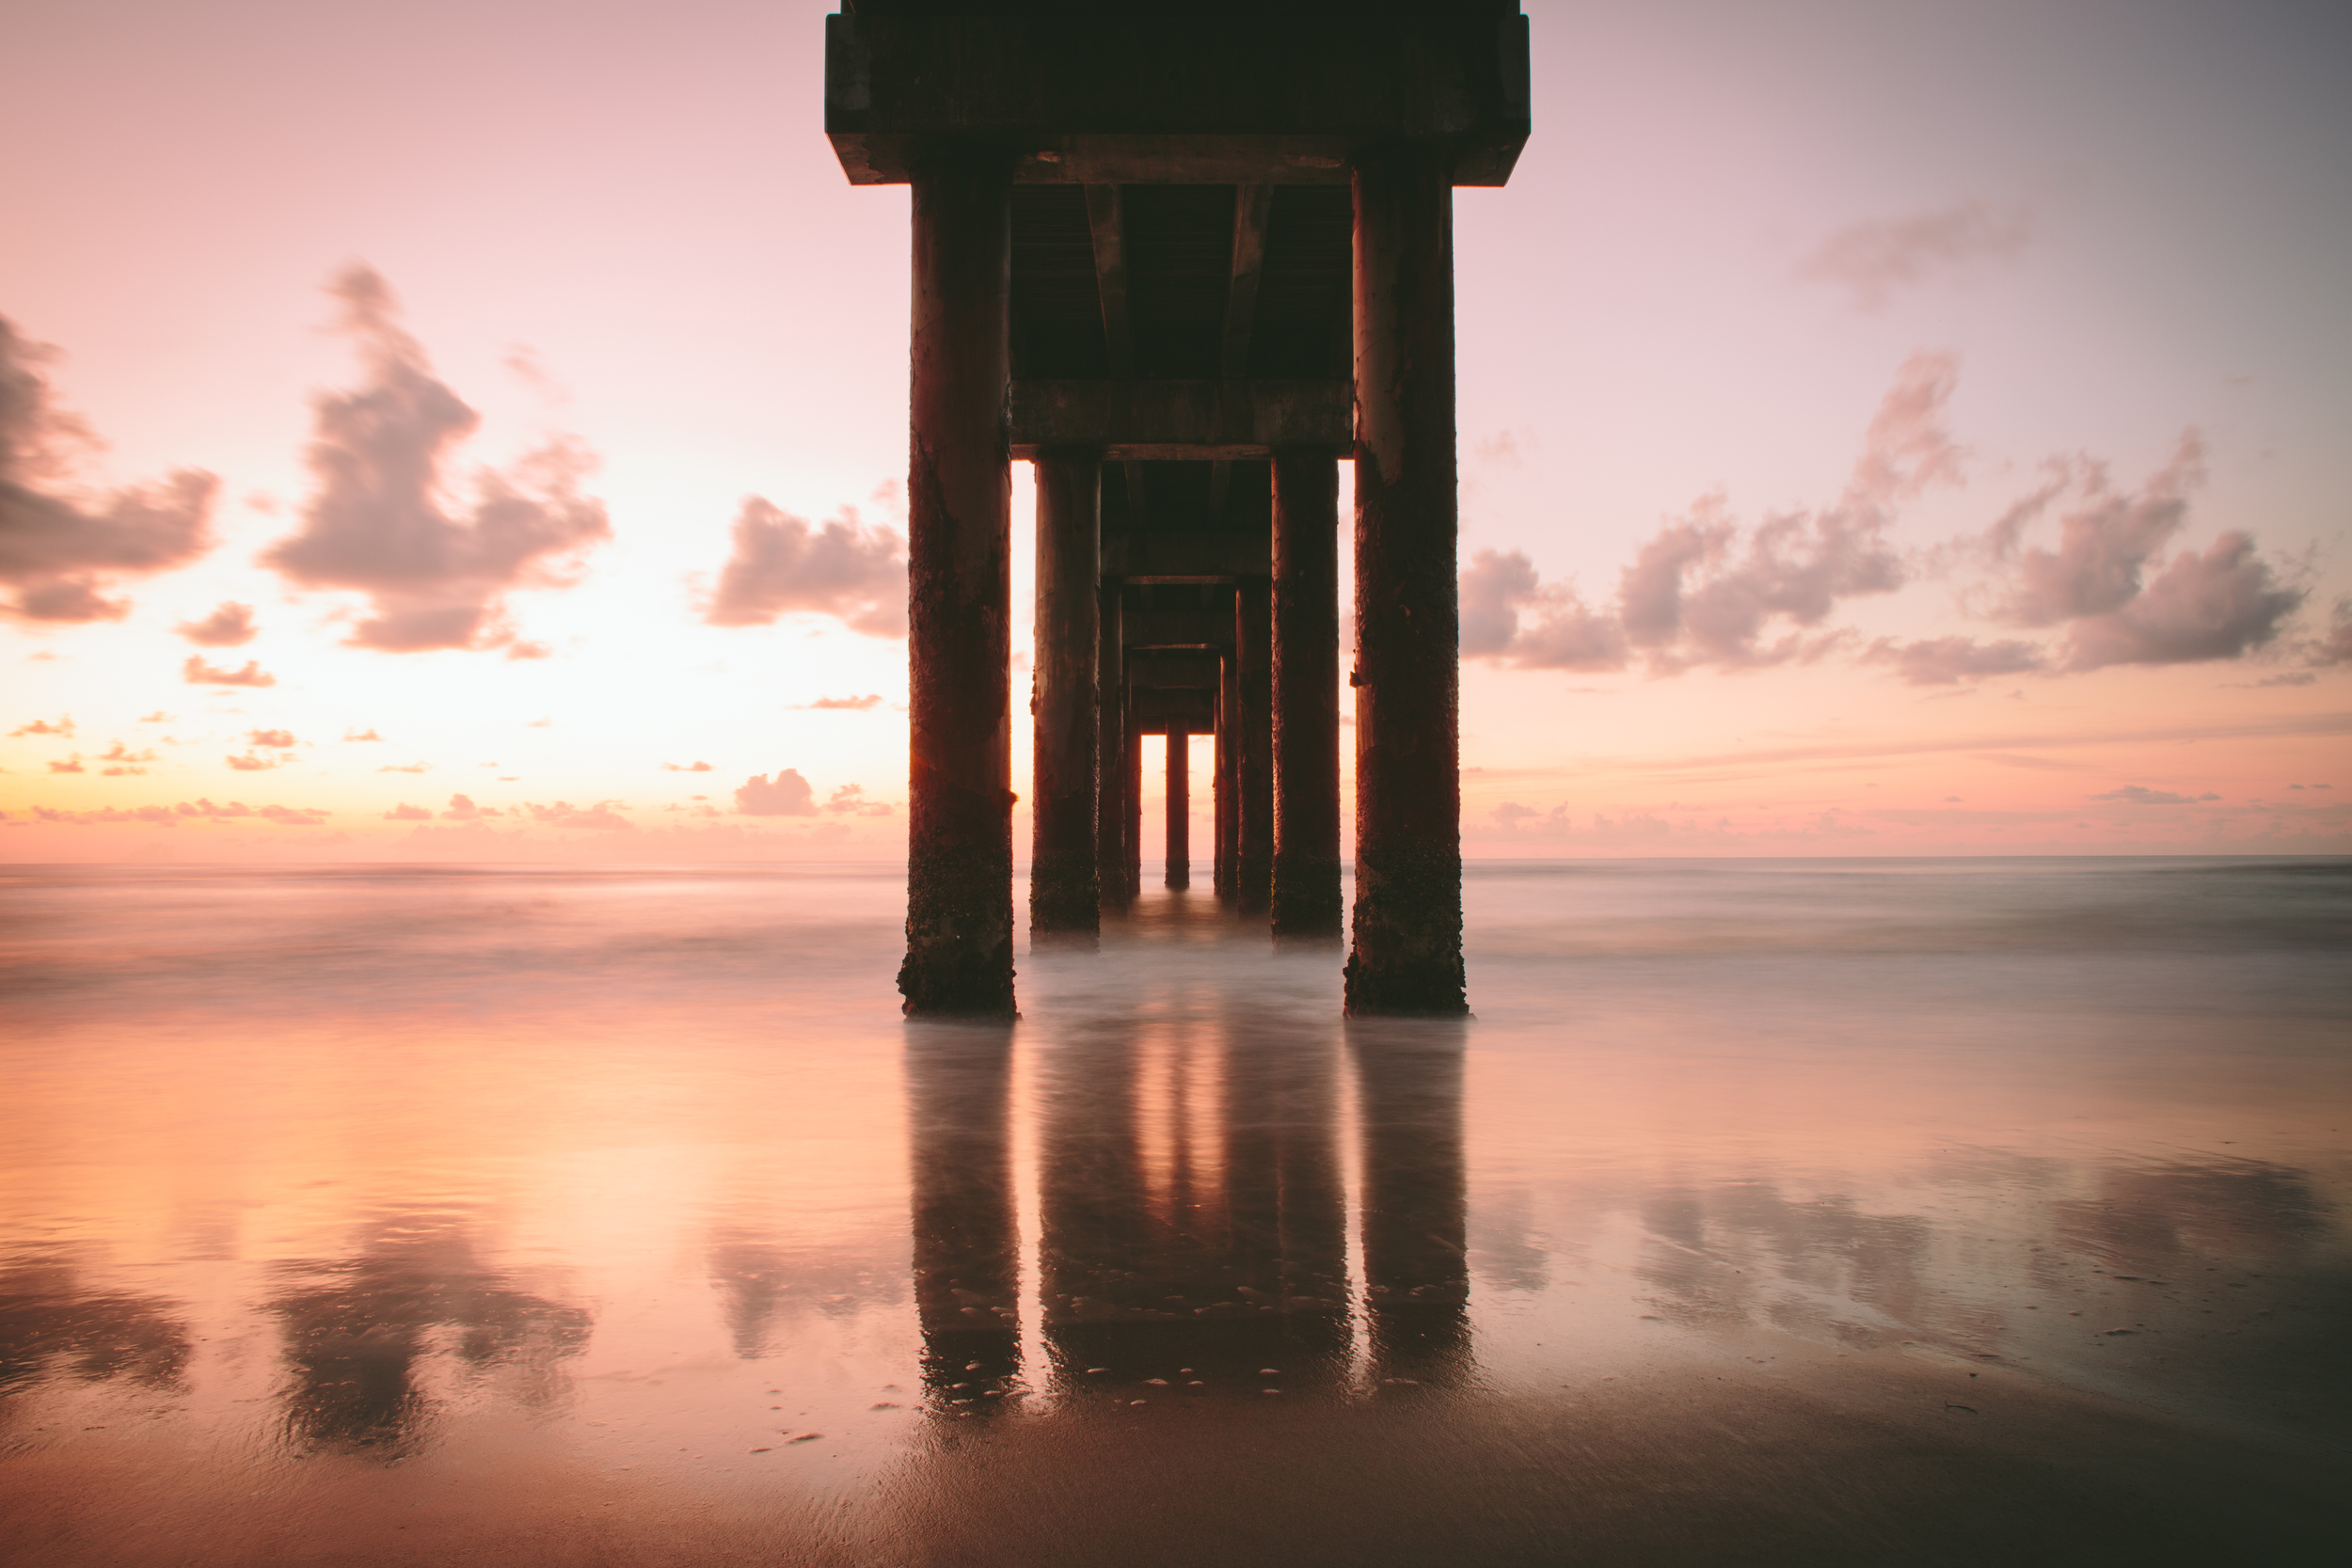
[
  {"x": 967, "y": 1249},
  {"x": 54, "y": 1325},
  {"x": 355, "y": 1329},
  {"x": 1193, "y": 1213},
  {"x": 1408, "y": 1085}
]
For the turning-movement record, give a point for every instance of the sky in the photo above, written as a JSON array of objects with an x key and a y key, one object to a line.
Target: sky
[{"x": 475, "y": 432}]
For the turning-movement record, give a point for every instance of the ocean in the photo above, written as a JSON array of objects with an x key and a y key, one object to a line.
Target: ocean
[{"x": 1801, "y": 1211}]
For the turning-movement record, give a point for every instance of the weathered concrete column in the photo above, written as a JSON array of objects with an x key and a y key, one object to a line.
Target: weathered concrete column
[
  {"x": 1406, "y": 955},
  {"x": 1179, "y": 806},
  {"x": 1065, "y": 902},
  {"x": 1254, "y": 728},
  {"x": 1306, "y": 654},
  {"x": 1110, "y": 751},
  {"x": 1222, "y": 812},
  {"x": 958, "y": 526}
]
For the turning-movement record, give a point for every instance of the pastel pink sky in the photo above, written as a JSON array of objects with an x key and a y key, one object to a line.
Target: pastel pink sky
[{"x": 1867, "y": 278}]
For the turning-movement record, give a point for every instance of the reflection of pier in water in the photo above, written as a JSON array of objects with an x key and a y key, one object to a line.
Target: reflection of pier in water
[{"x": 1192, "y": 1203}]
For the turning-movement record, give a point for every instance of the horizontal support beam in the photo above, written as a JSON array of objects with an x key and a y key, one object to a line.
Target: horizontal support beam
[
  {"x": 1123, "y": 95},
  {"x": 1187, "y": 555},
  {"x": 1173, "y": 421}
]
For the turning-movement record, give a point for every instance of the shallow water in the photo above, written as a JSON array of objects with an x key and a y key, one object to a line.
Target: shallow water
[{"x": 1799, "y": 1211}]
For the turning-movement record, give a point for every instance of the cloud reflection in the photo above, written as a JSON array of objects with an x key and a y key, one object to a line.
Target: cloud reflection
[{"x": 366, "y": 1337}]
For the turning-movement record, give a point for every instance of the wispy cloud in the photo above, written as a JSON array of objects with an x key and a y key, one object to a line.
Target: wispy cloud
[
  {"x": 1874, "y": 261},
  {"x": 845, "y": 704},
  {"x": 379, "y": 521}
]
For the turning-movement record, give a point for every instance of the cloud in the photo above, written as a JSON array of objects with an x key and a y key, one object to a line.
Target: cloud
[
  {"x": 253, "y": 762},
  {"x": 2220, "y": 605},
  {"x": 1510, "y": 814},
  {"x": 63, "y": 727},
  {"x": 1872, "y": 260},
  {"x": 849, "y": 799},
  {"x": 381, "y": 519},
  {"x": 780, "y": 564},
  {"x": 409, "y": 814},
  {"x": 2140, "y": 795},
  {"x": 1565, "y": 634},
  {"x": 361, "y": 735},
  {"x": 158, "y": 717},
  {"x": 462, "y": 809},
  {"x": 160, "y": 817},
  {"x": 407, "y": 768},
  {"x": 230, "y": 625},
  {"x": 1702, "y": 591},
  {"x": 689, "y": 767},
  {"x": 60, "y": 544},
  {"x": 2102, "y": 544},
  {"x": 1949, "y": 660},
  {"x": 844, "y": 705},
  {"x": 286, "y": 817},
  {"x": 602, "y": 816},
  {"x": 2336, "y": 647},
  {"x": 790, "y": 795},
  {"x": 117, "y": 752},
  {"x": 197, "y": 672},
  {"x": 72, "y": 765},
  {"x": 280, "y": 740}
]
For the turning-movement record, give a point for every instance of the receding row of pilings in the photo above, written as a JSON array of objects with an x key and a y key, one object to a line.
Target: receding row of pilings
[{"x": 1405, "y": 942}]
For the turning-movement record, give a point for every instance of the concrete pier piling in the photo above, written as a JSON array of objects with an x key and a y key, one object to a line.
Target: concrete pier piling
[{"x": 959, "y": 602}]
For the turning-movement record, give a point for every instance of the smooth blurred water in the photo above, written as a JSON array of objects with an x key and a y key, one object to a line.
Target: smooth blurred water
[{"x": 1800, "y": 1210}]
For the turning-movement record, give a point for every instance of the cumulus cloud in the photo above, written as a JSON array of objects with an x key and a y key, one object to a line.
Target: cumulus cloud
[
  {"x": 2221, "y": 604},
  {"x": 689, "y": 767},
  {"x": 253, "y": 762},
  {"x": 2218, "y": 605},
  {"x": 197, "y": 672},
  {"x": 382, "y": 519},
  {"x": 1950, "y": 660},
  {"x": 230, "y": 625},
  {"x": 61, "y": 543},
  {"x": 845, "y": 704},
  {"x": 788, "y": 795},
  {"x": 70, "y": 765},
  {"x": 779, "y": 565},
  {"x": 462, "y": 809},
  {"x": 409, "y": 814},
  {"x": 361, "y": 735},
  {"x": 126, "y": 763},
  {"x": 1873, "y": 260},
  {"x": 281, "y": 739},
  {"x": 63, "y": 727},
  {"x": 1703, "y": 592},
  {"x": 1562, "y": 631}
]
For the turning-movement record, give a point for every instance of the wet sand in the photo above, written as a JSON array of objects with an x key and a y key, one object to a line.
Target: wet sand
[{"x": 1929, "y": 1213}]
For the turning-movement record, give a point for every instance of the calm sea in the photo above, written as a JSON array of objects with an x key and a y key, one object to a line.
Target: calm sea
[{"x": 1801, "y": 1211}]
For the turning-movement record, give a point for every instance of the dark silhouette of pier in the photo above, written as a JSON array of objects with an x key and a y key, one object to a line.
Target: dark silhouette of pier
[{"x": 1186, "y": 259}]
